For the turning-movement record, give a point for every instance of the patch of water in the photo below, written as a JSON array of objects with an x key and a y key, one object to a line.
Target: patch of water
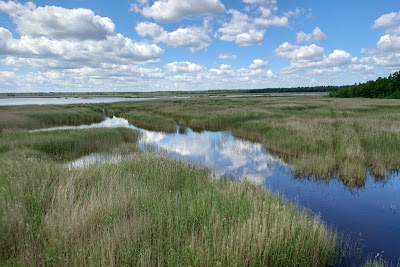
[
  {"x": 18, "y": 101},
  {"x": 370, "y": 214}
]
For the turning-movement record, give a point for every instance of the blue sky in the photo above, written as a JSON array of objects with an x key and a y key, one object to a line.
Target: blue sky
[{"x": 155, "y": 45}]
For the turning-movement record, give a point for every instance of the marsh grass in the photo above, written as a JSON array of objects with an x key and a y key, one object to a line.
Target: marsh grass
[
  {"x": 150, "y": 212},
  {"x": 320, "y": 137},
  {"x": 33, "y": 117},
  {"x": 64, "y": 145}
]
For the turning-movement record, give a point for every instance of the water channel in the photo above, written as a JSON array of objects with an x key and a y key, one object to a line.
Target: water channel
[{"x": 368, "y": 215}]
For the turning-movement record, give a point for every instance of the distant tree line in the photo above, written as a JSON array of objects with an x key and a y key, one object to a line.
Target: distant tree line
[
  {"x": 313, "y": 89},
  {"x": 381, "y": 88}
]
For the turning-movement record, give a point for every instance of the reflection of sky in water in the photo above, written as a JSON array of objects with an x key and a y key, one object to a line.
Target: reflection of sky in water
[
  {"x": 372, "y": 212},
  {"x": 220, "y": 151}
]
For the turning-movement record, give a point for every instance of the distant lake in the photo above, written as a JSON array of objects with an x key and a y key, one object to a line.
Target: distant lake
[
  {"x": 19, "y": 101},
  {"x": 65, "y": 100}
]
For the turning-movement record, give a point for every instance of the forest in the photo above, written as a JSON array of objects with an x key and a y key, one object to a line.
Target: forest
[{"x": 380, "y": 88}]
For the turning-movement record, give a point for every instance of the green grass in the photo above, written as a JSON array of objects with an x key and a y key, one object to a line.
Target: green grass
[
  {"x": 64, "y": 145},
  {"x": 149, "y": 211},
  {"x": 33, "y": 117},
  {"x": 318, "y": 136}
]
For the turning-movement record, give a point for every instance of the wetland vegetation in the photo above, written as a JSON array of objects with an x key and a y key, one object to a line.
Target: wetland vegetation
[
  {"x": 147, "y": 211},
  {"x": 320, "y": 137},
  {"x": 157, "y": 211}
]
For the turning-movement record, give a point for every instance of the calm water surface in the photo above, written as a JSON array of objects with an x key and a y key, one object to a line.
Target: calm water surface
[
  {"x": 65, "y": 100},
  {"x": 370, "y": 214}
]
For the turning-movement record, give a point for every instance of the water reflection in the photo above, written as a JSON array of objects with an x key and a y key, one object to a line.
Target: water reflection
[
  {"x": 371, "y": 212},
  {"x": 220, "y": 151}
]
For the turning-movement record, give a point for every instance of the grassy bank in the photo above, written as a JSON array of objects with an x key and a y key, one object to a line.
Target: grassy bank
[
  {"x": 37, "y": 116},
  {"x": 149, "y": 212},
  {"x": 144, "y": 212},
  {"x": 322, "y": 137}
]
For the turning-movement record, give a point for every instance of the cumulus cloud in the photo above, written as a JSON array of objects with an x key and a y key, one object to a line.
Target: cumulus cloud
[
  {"x": 240, "y": 29},
  {"x": 176, "y": 10},
  {"x": 246, "y": 30},
  {"x": 312, "y": 56},
  {"x": 387, "y": 20},
  {"x": 388, "y": 52},
  {"x": 362, "y": 68},
  {"x": 272, "y": 21},
  {"x": 194, "y": 38},
  {"x": 57, "y": 22},
  {"x": 184, "y": 67},
  {"x": 338, "y": 58},
  {"x": 325, "y": 71},
  {"x": 227, "y": 56},
  {"x": 299, "y": 52},
  {"x": 389, "y": 43},
  {"x": 389, "y": 60},
  {"x": 45, "y": 52},
  {"x": 316, "y": 35},
  {"x": 258, "y": 64}
]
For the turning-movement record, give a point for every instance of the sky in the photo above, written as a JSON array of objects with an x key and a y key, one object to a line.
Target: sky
[{"x": 159, "y": 45}]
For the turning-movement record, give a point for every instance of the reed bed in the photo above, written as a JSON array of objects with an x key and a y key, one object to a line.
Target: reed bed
[
  {"x": 148, "y": 211},
  {"x": 319, "y": 137}
]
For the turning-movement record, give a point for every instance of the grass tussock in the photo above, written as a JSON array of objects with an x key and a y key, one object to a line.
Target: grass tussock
[{"x": 149, "y": 212}]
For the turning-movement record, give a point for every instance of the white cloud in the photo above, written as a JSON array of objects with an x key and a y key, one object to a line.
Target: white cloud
[
  {"x": 312, "y": 56},
  {"x": 184, "y": 67},
  {"x": 389, "y": 60},
  {"x": 45, "y": 52},
  {"x": 258, "y": 64},
  {"x": 7, "y": 75},
  {"x": 249, "y": 38},
  {"x": 57, "y": 22},
  {"x": 176, "y": 10},
  {"x": 325, "y": 71},
  {"x": 387, "y": 20},
  {"x": 389, "y": 43},
  {"x": 338, "y": 58},
  {"x": 246, "y": 30},
  {"x": 316, "y": 35},
  {"x": 194, "y": 38},
  {"x": 388, "y": 52},
  {"x": 299, "y": 52},
  {"x": 241, "y": 30},
  {"x": 362, "y": 68},
  {"x": 225, "y": 67},
  {"x": 273, "y": 21},
  {"x": 227, "y": 56}
]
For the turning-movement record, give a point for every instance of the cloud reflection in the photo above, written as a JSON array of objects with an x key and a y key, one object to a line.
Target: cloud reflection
[{"x": 220, "y": 151}]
